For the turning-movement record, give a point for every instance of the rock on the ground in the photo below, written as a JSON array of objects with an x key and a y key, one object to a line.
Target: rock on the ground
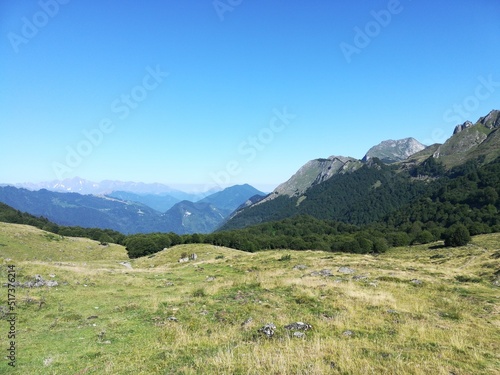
[
  {"x": 346, "y": 270},
  {"x": 299, "y": 326},
  {"x": 268, "y": 330},
  {"x": 322, "y": 273}
]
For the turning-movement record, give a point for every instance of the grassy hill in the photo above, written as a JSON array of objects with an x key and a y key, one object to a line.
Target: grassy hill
[{"x": 419, "y": 310}]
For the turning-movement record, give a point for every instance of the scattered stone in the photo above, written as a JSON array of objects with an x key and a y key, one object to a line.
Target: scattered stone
[
  {"x": 391, "y": 311},
  {"x": 101, "y": 335},
  {"x": 346, "y": 270},
  {"x": 204, "y": 312},
  {"x": 37, "y": 282},
  {"x": 348, "y": 333},
  {"x": 322, "y": 273},
  {"x": 373, "y": 284},
  {"x": 48, "y": 361},
  {"x": 247, "y": 322},
  {"x": 126, "y": 264},
  {"x": 268, "y": 330},
  {"x": 299, "y": 334},
  {"x": 210, "y": 278},
  {"x": 169, "y": 283},
  {"x": 416, "y": 282},
  {"x": 183, "y": 260},
  {"x": 93, "y": 317},
  {"x": 299, "y": 326},
  {"x": 193, "y": 257},
  {"x": 52, "y": 275},
  {"x": 172, "y": 319},
  {"x": 359, "y": 277},
  {"x": 300, "y": 267}
]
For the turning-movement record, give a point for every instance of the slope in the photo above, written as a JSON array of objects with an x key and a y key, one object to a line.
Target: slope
[
  {"x": 413, "y": 311},
  {"x": 72, "y": 209}
]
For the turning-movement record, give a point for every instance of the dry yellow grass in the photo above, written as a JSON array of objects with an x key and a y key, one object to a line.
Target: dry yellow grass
[{"x": 447, "y": 322}]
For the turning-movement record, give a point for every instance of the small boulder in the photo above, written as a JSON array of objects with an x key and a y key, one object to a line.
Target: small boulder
[
  {"x": 346, "y": 270},
  {"x": 299, "y": 326},
  {"x": 268, "y": 330},
  {"x": 322, "y": 273}
]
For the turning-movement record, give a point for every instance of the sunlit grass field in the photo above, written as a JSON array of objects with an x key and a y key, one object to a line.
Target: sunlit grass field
[{"x": 413, "y": 310}]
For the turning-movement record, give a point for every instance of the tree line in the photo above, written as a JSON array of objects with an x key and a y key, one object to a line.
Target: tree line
[{"x": 451, "y": 207}]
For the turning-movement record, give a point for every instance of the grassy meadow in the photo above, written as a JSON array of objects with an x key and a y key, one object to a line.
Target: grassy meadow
[{"x": 414, "y": 310}]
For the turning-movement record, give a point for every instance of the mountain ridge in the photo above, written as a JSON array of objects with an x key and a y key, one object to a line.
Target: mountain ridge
[
  {"x": 392, "y": 151},
  {"x": 125, "y": 216},
  {"x": 301, "y": 195}
]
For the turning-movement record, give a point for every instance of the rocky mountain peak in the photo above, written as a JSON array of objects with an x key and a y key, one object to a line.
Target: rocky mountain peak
[
  {"x": 491, "y": 120},
  {"x": 392, "y": 151},
  {"x": 465, "y": 125},
  {"x": 312, "y": 173}
]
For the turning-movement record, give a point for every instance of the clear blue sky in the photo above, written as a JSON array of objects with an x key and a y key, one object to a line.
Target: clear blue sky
[{"x": 188, "y": 92}]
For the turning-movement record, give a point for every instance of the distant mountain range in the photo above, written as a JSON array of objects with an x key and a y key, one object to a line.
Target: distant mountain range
[
  {"x": 125, "y": 213},
  {"x": 363, "y": 191},
  {"x": 391, "y": 175},
  {"x": 108, "y": 187}
]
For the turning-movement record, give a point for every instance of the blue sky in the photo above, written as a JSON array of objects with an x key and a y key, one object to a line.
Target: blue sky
[{"x": 233, "y": 91}]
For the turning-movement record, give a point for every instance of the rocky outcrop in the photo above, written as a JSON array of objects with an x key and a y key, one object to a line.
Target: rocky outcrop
[
  {"x": 465, "y": 125},
  {"x": 461, "y": 142},
  {"x": 491, "y": 120},
  {"x": 392, "y": 151},
  {"x": 312, "y": 173}
]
